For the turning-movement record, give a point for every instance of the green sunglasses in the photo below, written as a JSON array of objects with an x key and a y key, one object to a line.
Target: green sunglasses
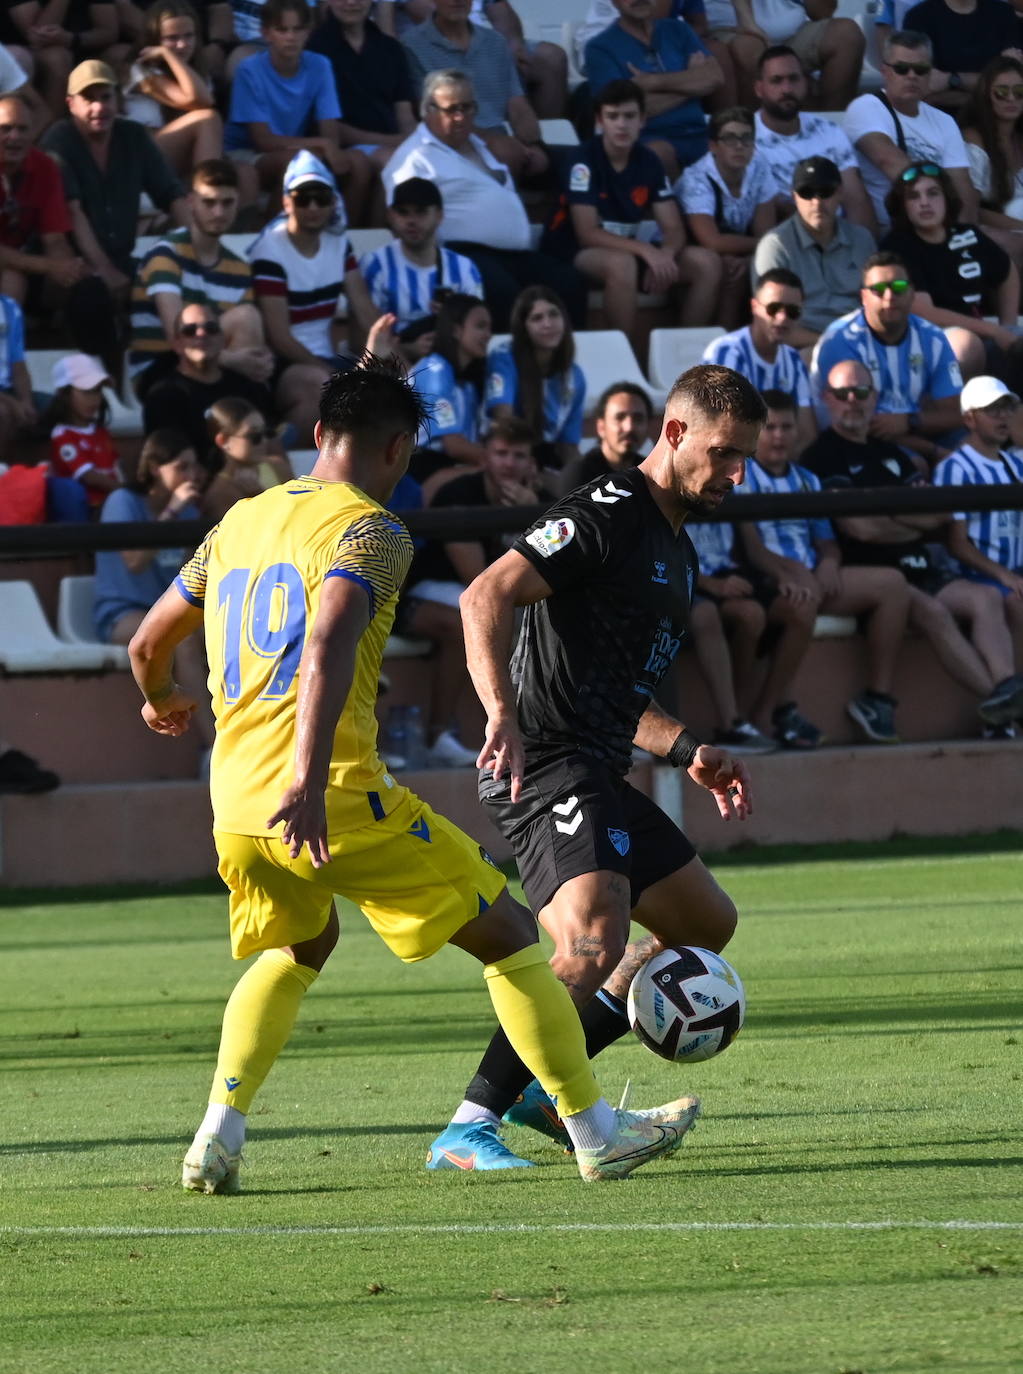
[
  {"x": 920, "y": 169},
  {"x": 899, "y": 287}
]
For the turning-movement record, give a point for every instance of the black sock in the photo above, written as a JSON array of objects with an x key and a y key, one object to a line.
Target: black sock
[{"x": 502, "y": 1076}]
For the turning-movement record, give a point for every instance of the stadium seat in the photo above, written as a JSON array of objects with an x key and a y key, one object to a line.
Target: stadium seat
[
  {"x": 606, "y": 356},
  {"x": 28, "y": 645},
  {"x": 74, "y": 619},
  {"x": 365, "y": 240},
  {"x": 674, "y": 350},
  {"x": 834, "y": 626},
  {"x": 125, "y": 418},
  {"x": 559, "y": 133}
]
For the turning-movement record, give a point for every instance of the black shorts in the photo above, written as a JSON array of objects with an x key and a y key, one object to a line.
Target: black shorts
[{"x": 575, "y": 816}]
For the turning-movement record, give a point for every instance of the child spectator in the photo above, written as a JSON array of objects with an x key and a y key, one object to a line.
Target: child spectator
[
  {"x": 279, "y": 94},
  {"x": 453, "y": 380},
  {"x": 167, "y": 93},
  {"x": 243, "y": 464},
  {"x": 80, "y": 443},
  {"x": 535, "y": 376},
  {"x": 405, "y": 276}
]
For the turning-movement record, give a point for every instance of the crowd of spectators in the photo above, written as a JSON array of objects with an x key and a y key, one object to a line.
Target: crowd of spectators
[{"x": 860, "y": 242}]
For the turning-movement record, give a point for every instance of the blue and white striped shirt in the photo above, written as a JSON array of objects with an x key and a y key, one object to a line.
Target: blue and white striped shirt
[
  {"x": 922, "y": 363},
  {"x": 714, "y": 542},
  {"x": 793, "y": 538},
  {"x": 12, "y": 340},
  {"x": 399, "y": 287},
  {"x": 455, "y": 405},
  {"x": 997, "y": 534},
  {"x": 787, "y": 373},
  {"x": 563, "y": 396}
]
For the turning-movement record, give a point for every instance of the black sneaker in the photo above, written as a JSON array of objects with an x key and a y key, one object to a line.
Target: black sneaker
[
  {"x": 792, "y": 730},
  {"x": 744, "y": 738},
  {"x": 874, "y": 713},
  {"x": 1000, "y": 732},
  {"x": 1005, "y": 704},
  {"x": 19, "y": 773}
]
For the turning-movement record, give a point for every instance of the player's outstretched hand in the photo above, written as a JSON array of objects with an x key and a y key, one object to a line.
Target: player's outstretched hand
[
  {"x": 726, "y": 779},
  {"x": 502, "y": 752},
  {"x": 173, "y": 715},
  {"x": 305, "y": 823}
]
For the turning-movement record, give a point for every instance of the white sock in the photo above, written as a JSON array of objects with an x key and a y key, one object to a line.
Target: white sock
[
  {"x": 227, "y": 1124},
  {"x": 472, "y": 1111},
  {"x": 594, "y": 1128}
]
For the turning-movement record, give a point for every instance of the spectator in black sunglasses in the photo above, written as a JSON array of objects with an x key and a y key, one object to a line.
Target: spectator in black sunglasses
[
  {"x": 964, "y": 37},
  {"x": 959, "y": 273},
  {"x": 993, "y": 130}
]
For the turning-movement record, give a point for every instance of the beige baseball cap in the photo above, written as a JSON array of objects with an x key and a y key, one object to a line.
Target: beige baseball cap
[{"x": 91, "y": 73}]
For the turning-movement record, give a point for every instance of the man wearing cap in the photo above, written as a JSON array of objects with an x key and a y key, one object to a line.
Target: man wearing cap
[
  {"x": 107, "y": 163},
  {"x": 989, "y": 544},
  {"x": 404, "y": 276},
  {"x": 845, "y": 455},
  {"x": 825, "y": 251},
  {"x": 910, "y": 361}
]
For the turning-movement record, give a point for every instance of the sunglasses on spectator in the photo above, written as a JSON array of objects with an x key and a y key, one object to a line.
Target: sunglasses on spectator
[
  {"x": 816, "y": 192},
  {"x": 851, "y": 393},
  {"x": 308, "y": 195},
  {"x": 899, "y": 287},
  {"x": 190, "y": 331},
  {"x": 254, "y": 436},
  {"x": 774, "y": 308},
  {"x": 463, "y": 107},
  {"x": 1008, "y": 92},
  {"x": 904, "y": 68},
  {"x": 922, "y": 169},
  {"x": 737, "y": 140}
]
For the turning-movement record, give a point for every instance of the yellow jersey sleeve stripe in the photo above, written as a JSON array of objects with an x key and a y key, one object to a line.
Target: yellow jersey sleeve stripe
[{"x": 375, "y": 550}]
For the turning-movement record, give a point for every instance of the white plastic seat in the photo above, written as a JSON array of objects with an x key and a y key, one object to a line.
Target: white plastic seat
[
  {"x": 28, "y": 645},
  {"x": 834, "y": 626},
  {"x": 559, "y": 133},
  {"x": 672, "y": 351},
  {"x": 366, "y": 240},
  {"x": 74, "y": 619},
  {"x": 606, "y": 356}
]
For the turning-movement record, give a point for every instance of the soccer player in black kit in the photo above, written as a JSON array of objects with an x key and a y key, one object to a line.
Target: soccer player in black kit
[{"x": 606, "y": 578}]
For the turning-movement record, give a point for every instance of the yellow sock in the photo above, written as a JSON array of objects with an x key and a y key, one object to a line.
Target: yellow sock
[
  {"x": 543, "y": 1026},
  {"x": 258, "y": 1020}
]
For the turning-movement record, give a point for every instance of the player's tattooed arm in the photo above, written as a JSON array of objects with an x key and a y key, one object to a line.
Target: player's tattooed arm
[
  {"x": 586, "y": 946},
  {"x": 635, "y": 956}
]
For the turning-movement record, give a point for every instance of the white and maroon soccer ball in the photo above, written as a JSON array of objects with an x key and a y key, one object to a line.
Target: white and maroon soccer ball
[{"x": 686, "y": 1004}]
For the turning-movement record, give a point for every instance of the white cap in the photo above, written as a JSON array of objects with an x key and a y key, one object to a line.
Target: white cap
[
  {"x": 80, "y": 370},
  {"x": 981, "y": 392}
]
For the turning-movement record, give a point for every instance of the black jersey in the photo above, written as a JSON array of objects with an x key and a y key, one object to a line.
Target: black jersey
[{"x": 590, "y": 656}]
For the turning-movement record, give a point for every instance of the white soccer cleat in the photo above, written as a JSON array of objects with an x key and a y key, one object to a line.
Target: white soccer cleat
[
  {"x": 209, "y": 1168},
  {"x": 641, "y": 1136}
]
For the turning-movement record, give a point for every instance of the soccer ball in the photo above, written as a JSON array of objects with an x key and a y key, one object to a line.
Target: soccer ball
[{"x": 686, "y": 1003}]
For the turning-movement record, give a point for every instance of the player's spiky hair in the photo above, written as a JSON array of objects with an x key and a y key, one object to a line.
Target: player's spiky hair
[
  {"x": 375, "y": 397},
  {"x": 716, "y": 390}
]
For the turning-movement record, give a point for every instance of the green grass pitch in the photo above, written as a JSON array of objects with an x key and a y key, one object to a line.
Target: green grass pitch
[{"x": 873, "y": 1096}]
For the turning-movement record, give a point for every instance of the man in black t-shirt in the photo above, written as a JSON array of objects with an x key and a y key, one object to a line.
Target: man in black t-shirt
[
  {"x": 964, "y": 38},
  {"x": 616, "y": 204},
  {"x": 844, "y": 455},
  {"x": 622, "y": 423},
  {"x": 606, "y": 580}
]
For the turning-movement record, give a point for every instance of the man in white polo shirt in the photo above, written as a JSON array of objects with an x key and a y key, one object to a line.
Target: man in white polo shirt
[{"x": 483, "y": 215}]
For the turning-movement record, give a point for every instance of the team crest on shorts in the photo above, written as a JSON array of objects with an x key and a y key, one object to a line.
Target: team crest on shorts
[
  {"x": 620, "y": 840},
  {"x": 551, "y": 537}
]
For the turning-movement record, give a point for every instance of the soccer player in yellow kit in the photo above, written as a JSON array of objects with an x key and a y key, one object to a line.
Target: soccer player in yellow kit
[{"x": 296, "y": 589}]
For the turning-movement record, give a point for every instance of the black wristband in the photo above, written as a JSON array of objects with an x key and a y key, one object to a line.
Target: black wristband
[{"x": 683, "y": 751}]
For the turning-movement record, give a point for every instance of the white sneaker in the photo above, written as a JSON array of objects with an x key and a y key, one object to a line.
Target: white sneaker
[
  {"x": 449, "y": 752},
  {"x": 209, "y": 1168},
  {"x": 639, "y": 1138}
]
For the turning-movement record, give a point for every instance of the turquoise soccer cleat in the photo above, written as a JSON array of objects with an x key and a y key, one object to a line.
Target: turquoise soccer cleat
[
  {"x": 533, "y": 1108},
  {"x": 473, "y": 1145}
]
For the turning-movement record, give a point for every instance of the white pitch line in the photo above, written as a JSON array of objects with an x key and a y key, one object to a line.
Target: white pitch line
[{"x": 500, "y": 1228}]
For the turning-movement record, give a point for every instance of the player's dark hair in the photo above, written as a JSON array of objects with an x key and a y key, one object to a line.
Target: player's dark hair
[
  {"x": 780, "y": 276},
  {"x": 215, "y": 171},
  {"x": 531, "y": 375},
  {"x": 621, "y": 91},
  {"x": 274, "y": 11},
  {"x": 373, "y": 400},
  {"x": 774, "y": 399},
  {"x": 158, "y": 448},
  {"x": 511, "y": 430},
  {"x": 735, "y": 114},
  {"x": 716, "y": 390},
  {"x": 452, "y": 313},
  {"x": 885, "y": 258},
  {"x": 615, "y": 389},
  {"x": 778, "y": 50},
  {"x": 898, "y": 194}
]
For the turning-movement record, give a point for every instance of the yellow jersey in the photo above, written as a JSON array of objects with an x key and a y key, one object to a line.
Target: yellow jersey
[{"x": 258, "y": 575}]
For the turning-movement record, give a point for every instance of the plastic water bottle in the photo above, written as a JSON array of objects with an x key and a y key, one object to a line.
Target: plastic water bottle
[
  {"x": 415, "y": 738},
  {"x": 395, "y": 741}
]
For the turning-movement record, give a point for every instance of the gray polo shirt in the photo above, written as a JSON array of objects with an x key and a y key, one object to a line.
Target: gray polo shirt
[
  {"x": 831, "y": 276},
  {"x": 488, "y": 62}
]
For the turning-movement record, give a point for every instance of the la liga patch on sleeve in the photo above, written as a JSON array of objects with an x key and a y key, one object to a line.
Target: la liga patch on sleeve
[
  {"x": 551, "y": 537},
  {"x": 579, "y": 179}
]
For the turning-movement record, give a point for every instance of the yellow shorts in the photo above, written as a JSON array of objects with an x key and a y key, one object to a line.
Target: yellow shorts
[{"x": 416, "y": 876}]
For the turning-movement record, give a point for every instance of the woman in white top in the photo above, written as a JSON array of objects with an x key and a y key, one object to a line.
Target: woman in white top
[
  {"x": 167, "y": 94},
  {"x": 993, "y": 132}
]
